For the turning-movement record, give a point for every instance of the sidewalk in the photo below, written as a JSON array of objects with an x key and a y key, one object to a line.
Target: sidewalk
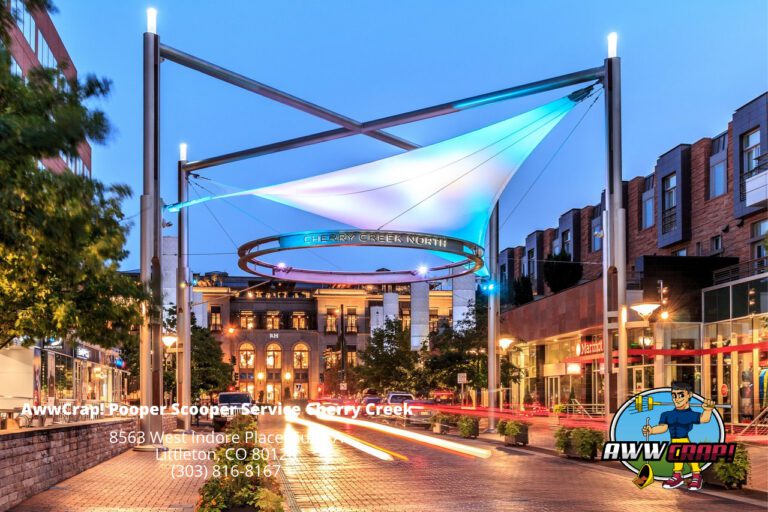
[
  {"x": 541, "y": 435},
  {"x": 130, "y": 482}
]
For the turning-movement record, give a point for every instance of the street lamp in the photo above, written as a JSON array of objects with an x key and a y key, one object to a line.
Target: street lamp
[
  {"x": 169, "y": 340},
  {"x": 645, "y": 309}
]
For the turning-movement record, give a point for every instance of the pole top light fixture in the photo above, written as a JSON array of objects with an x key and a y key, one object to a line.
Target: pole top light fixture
[
  {"x": 169, "y": 340},
  {"x": 152, "y": 20},
  {"x": 183, "y": 151},
  {"x": 504, "y": 343},
  {"x": 646, "y": 309},
  {"x": 613, "y": 45}
]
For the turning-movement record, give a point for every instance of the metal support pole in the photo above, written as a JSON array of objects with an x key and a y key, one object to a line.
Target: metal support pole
[
  {"x": 343, "y": 342},
  {"x": 493, "y": 313},
  {"x": 183, "y": 304},
  {"x": 151, "y": 352},
  {"x": 615, "y": 197}
]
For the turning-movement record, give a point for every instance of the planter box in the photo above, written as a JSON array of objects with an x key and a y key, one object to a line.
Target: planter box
[
  {"x": 571, "y": 452},
  {"x": 474, "y": 431},
  {"x": 711, "y": 478},
  {"x": 439, "y": 428},
  {"x": 518, "y": 439}
]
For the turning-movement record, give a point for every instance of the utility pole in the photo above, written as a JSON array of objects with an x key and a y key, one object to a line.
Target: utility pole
[
  {"x": 614, "y": 221},
  {"x": 150, "y": 349},
  {"x": 493, "y": 313}
]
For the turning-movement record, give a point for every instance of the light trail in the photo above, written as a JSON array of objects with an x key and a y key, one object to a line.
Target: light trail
[
  {"x": 413, "y": 436},
  {"x": 363, "y": 446}
]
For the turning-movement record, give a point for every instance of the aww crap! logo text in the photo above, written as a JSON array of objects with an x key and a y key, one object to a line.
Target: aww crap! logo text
[{"x": 669, "y": 435}]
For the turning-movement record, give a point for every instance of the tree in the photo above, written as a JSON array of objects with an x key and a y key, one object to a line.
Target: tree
[
  {"x": 560, "y": 272},
  {"x": 62, "y": 236},
  {"x": 388, "y": 361},
  {"x": 522, "y": 289}
]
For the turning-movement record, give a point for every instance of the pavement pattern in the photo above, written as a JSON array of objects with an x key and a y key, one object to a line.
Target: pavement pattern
[{"x": 335, "y": 477}]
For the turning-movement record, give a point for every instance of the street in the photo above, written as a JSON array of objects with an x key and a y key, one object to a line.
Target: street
[{"x": 333, "y": 476}]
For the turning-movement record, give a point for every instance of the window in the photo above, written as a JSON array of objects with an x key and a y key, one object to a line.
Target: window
[
  {"x": 299, "y": 320},
  {"x": 215, "y": 318},
  {"x": 405, "y": 315},
  {"x": 330, "y": 320},
  {"x": 301, "y": 356},
  {"x": 680, "y": 252},
  {"x": 760, "y": 229},
  {"x": 668, "y": 203},
  {"x": 25, "y": 22},
  {"x": 246, "y": 320},
  {"x": 758, "y": 250},
  {"x": 597, "y": 240},
  {"x": 750, "y": 144},
  {"x": 273, "y": 320},
  {"x": 531, "y": 271},
  {"x": 716, "y": 244},
  {"x": 670, "y": 188},
  {"x": 351, "y": 320},
  {"x": 566, "y": 242},
  {"x": 434, "y": 320},
  {"x": 247, "y": 356},
  {"x": 698, "y": 249},
  {"x": 717, "y": 180},
  {"x": 648, "y": 217},
  {"x": 45, "y": 56},
  {"x": 273, "y": 356},
  {"x": 15, "y": 68}
]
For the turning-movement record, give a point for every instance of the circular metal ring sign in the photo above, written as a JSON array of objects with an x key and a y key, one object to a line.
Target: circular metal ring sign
[{"x": 251, "y": 252}]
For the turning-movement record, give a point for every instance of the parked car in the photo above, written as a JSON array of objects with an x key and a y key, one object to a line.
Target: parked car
[
  {"x": 234, "y": 401},
  {"x": 423, "y": 410},
  {"x": 370, "y": 392},
  {"x": 398, "y": 397}
]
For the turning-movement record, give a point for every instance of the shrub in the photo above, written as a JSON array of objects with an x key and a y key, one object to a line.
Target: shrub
[
  {"x": 522, "y": 291},
  {"x": 444, "y": 419},
  {"x": 510, "y": 428},
  {"x": 586, "y": 441},
  {"x": 562, "y": 439},
  {"x": 560, "y": 272},
  {"x": 734, "y": 474},
  {"x": 468, "y": 426}
]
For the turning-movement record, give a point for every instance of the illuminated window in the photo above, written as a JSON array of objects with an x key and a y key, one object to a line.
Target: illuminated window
[
  {"x": 273, "y": 320},
  {"x": 434, "y": 320},
  {"x": 351, "y": 320},
  {"x": 273, "y": 356},
  {"x": 247, "y": 320},
  {"x": 215, "y": 318},
  {"x": 247, "y": 356},
  {"x": 330, "y": 320},
  {"x": 299, "y": 320},
  {"x": 405, "y": 315},
  {"x": 301, "y": 356}
]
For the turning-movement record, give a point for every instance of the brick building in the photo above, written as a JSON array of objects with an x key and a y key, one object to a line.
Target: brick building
[
  {"x": 697, "y": 223},
  {"x": 35, "y": 42}
]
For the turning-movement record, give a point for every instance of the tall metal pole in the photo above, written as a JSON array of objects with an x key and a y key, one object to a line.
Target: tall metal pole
[
  {"x": 493, "y": 313},
  {"x": 183, "y": 302},
  {"x": 617, "y": 213},
  {"x": 343, "y": 342},
  {"x": 150, "y": 352}
]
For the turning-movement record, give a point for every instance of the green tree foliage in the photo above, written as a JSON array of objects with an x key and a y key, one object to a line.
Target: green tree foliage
[
  {"x": 560, "y": 272},
  {"x": 62, "y": 236},
  {"x": 388, "y": 361},
  {"x": 522, "y": 291}
]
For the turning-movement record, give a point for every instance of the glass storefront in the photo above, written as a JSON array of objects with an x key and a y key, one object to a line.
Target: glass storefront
[{"x": 736, "y": 347}]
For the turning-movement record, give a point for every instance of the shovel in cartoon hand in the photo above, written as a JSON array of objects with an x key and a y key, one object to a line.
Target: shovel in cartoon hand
[{"x": 644, "y": 477}]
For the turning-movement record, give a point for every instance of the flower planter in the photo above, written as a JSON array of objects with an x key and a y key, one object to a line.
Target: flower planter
[
  {"x": 439, "y": 428},
  {"x": 520, "y": 438},
  {"x": 711, "y": 478}
]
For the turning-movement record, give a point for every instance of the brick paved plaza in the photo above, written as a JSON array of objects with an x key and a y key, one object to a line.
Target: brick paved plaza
[{"x": 322, "y": 476}]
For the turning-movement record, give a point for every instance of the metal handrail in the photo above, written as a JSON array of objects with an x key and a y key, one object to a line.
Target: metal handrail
[
  {"x": 740, "y": 270},
  {"x": 757, "y": 421}
]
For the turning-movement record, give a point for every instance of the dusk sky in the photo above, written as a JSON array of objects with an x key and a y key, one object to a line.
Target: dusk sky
[{"x": 686, "y": 66}]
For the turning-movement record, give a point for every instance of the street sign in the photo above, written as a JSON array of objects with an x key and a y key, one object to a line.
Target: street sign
[
  {"x": 342, "y": 386},
  {"x": 462, "y": 378}
]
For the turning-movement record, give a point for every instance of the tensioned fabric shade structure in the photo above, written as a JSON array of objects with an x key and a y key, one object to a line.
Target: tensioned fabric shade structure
[{"x": 448, "y": 188}]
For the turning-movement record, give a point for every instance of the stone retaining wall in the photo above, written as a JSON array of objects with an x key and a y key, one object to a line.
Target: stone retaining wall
[{"x": 32, "y": 460}]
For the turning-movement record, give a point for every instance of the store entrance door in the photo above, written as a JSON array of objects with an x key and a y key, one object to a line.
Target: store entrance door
[
  {"x": 638, "y": 380},
  {"x": 553, "y": 391}
]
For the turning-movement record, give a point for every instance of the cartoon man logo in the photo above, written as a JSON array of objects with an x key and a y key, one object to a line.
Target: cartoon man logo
[{"x": 679, "y": 422}]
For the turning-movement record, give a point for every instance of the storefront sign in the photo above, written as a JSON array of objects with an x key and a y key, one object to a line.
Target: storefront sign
[
  {"x": 588, "y": 348},
  {"x": 82, "y": 353}
]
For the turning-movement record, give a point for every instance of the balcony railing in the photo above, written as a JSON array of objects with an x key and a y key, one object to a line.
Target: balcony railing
[
  {"x": 668, "y": 220},
  {"x": 741, "y": 270},
  {"x": 762, "y": 166}
]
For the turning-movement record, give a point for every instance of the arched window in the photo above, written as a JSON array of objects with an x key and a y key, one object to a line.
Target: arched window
[
  {"x": 301, "y": 356},
  {"x": 273, "y": 356},
  {"x": 247, "y": 356}
]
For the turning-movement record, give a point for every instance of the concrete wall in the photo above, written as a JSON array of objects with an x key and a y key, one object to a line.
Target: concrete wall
[
  {"x": 419, "y": 314},
  {"x": 463, "y": 295},
  {"x": 32, "y": 460},
  {"x": 391, "y": 305}
]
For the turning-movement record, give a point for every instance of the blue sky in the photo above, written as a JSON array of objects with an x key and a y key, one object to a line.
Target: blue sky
[{"x": 686, "y": 66}]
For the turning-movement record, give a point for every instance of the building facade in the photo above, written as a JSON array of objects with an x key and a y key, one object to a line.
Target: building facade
[
  {"x": 35, "y": 42},
  {"x": 695, "y": 245},
  {"x": 284, "y": 339}
]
